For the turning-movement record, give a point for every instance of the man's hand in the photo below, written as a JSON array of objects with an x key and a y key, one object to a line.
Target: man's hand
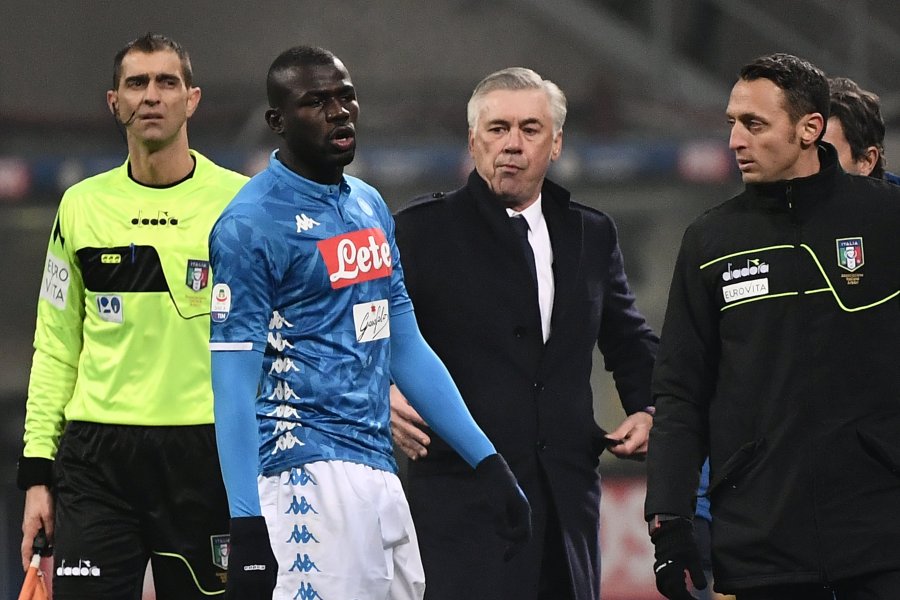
[
  {"x": 252, "y": 568},
  {"x": 512, "y": 513},
  {"x": 634, "y": 433},
  {"x": 676, "y": 552},
  {"x": 405, "y": 423},
  {"x": 38, "y": 514}
]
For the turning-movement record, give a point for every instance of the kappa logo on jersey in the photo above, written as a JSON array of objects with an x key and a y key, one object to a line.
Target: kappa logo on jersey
[
  {"x": 55, "y": 284},
  {"x": 197, "y": 274},
  {"x": 850, "y": 253},
  {"x": 220, "y": 303},
  {"x": 372, "y": 321},
  {"x": 305, "y": 223},
  {"x": 110, "y": 308},
  {"x": 357, "y": 256}
]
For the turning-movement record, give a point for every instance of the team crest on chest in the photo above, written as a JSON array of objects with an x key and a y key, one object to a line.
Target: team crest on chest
[
  {"x": 197, "y": 274},
  {"x": 850, "y": 254}
]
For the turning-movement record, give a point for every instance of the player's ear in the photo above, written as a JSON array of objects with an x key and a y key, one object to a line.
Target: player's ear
[
  {"x": 275, "y": 120},
  {"x": 112, "y": 102}
]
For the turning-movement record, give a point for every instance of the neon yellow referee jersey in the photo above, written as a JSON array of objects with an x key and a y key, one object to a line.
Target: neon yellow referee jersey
[{"x": 123, "y": 315}]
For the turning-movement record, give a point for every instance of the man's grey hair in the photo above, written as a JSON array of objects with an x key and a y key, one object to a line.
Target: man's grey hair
[{"x": 518, "y": 78}]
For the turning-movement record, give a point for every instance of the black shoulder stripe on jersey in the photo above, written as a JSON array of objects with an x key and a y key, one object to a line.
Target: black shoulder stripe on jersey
[{"x": 122, "y": 269}]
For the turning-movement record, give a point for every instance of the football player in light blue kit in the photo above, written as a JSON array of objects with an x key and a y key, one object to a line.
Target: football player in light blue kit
[{"x": 311, "y": 321}]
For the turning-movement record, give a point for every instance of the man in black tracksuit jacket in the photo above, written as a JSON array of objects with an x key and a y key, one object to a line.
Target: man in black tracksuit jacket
[{"x": 780, "y": 358}]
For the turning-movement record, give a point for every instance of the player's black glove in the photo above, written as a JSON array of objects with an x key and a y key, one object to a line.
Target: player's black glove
[
  {"x": 512, "y": 512},
  {"x": 252, "y": 568},
  {"x": 676, "y": 552}
]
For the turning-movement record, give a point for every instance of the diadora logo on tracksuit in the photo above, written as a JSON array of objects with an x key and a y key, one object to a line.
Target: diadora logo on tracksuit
[
  {"x": 748, "y": 283},
  {"x": 356, "y": 256}
]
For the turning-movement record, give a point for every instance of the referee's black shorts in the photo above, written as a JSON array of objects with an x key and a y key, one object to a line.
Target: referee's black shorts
[{"x": 126, "y": 494}]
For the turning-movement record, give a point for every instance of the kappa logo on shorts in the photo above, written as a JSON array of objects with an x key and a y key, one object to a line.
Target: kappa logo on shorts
[
  {"x": 220, "y": 547},
  {"x": 84, "y": 569},
  {"x": 356, "y": 256},
  {"x": 302, "y": 536},
  {"x": 307, "y": 592},
  {"x": 304, "y": 563}
]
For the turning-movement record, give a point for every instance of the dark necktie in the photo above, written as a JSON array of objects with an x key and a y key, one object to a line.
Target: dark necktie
[{"x": 521, "y": 226}]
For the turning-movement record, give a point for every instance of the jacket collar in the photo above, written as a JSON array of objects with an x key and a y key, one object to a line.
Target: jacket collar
[{"x": 796, "y": 192}]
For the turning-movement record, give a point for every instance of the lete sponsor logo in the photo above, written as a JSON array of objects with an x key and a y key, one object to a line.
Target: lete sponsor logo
[{"x": 355, "y": 257}]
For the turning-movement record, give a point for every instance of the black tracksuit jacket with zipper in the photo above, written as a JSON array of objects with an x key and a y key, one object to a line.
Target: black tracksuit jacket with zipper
[{"x": 780, "y": 357}]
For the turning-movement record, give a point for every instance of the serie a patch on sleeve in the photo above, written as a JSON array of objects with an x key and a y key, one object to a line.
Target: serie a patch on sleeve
[{"x": 55, "y": 284}]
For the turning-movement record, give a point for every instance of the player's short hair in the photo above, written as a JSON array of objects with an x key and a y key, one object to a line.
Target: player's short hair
[
  {"x": 149, "y": 43},
  {"x": 518, "y": 78},
  {"x": 298, "y": 56},
  {"x": 859, "y": 112},
  {"x": 804, "y": 85}
]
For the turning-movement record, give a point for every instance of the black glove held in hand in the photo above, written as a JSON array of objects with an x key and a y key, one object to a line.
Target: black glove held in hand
[
  {"x": 509, "y": 505},
  {"x": 676, "y": 552},
  {"x": 252, "y": 568}
]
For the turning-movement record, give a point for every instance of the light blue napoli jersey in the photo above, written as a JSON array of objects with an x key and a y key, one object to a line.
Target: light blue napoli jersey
[{"x": 310, "y": 275}]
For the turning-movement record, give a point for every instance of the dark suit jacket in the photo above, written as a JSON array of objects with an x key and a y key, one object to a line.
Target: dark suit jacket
[{"x": 476, "y": 305}]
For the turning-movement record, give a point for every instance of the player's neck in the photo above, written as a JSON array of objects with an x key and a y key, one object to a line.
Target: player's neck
[{"x": 160, "y": 166}]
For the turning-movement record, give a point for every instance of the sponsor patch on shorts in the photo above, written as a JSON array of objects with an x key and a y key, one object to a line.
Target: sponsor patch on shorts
[{"x": 220, "y": 549}]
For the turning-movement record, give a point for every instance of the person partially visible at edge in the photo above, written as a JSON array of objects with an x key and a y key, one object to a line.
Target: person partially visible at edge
[
  {"x": 856, "y": 129},
  {"x": 311, "y": 321},
  {"x": 777, "y": 360},
  {"x": 120, "y": 461},
  {"x": 516, "y": 314}
]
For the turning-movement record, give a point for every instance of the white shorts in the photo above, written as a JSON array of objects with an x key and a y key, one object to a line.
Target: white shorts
[{"x": 341, "y": 531}]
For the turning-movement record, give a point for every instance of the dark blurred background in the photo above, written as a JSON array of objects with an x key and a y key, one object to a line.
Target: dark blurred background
[{"x": 645, "y": 140}]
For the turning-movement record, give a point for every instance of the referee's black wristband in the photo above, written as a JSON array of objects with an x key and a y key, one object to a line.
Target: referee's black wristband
[{"x": 34, "y": 471}]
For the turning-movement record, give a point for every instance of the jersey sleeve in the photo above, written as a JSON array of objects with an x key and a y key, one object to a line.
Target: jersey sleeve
[
  {"x": 244, "y": 276},
  {"x": 57, "y": 341}
]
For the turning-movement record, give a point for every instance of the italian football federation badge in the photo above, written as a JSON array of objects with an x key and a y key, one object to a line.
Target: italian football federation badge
[
  {"x": 220, "y": 550},
  {"x": 850, "y": 253},
  {"x": 197, "y": 274}
]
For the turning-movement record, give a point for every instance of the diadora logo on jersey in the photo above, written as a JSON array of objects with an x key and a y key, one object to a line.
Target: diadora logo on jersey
[
  {"x": 850, "y": 253},
  {"x": 55, "y": 284},
  {"x": 220, "y": 549},
  {"x": 220, "y": 304},
  {"x": 83, "y": 569},
  {"x": 110, "y": 308},
  {"x": 372, "y": 321},
  {"x": 356, "y": 257},
  {"x": 753, "y": 266},
  {"x": 304, "y": 223},
  {"x": 197, "y": 274},
  {"x": 162, "y": 217}
]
